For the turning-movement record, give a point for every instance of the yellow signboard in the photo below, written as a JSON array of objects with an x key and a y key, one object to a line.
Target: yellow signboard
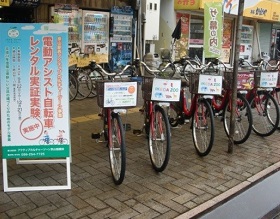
[
  {"x": 4, "y": 2},
  {"x": 186, "y": 4},
  {"x": 257, "y": 9},
  {"x": 275, "y": 11}
]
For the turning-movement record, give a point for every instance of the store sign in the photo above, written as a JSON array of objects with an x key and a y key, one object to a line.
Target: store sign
[
  {"x": 25, "y": 3},
  {"x": 186, "y": 4},
  {"x": 257, "y": 9},
  {"x": 4, "y": 2},
  {"x": 34, "y": 91},
  {"x": 213, "y": 29}
]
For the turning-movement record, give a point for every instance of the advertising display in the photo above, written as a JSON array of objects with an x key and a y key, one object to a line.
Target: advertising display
[
  {"x": 213, "y": 25},
  {"x": 246, "y": 42},
  {"x": 183, "y": 42},
  {"x": 121, "y": 37},
  {"x": 69, "y": 15},
  {"x": 95, "y": 35},
  {"x": 34, "y": 91},
  {"x": 34, "y": 103}
]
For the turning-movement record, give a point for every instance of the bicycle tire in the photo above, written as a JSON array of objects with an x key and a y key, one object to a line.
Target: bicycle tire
[
  {"x": 73, "y": 87},
  {"x": 95, "y": 75},
  {"x": 85, "y": 85},
  {"x": 203, "y": 129},
  {"x": 243, "y": 119},
  {"x": 172, "y": 115},
  {"x": 117, "y": 150},
  {"x": 265, "y": 112},
  {"x": 159, "y": 141},
  {"x": 276, "y": 95}
]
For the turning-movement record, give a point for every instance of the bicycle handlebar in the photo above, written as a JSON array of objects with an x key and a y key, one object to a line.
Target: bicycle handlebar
[
  {"x": 95, "y": 65},
  {"x": 188, "y": 62},
  {"x": 259, "y": 63},
  {"x": 218, "y": 61},
  {"x": 155, "y": 71}
]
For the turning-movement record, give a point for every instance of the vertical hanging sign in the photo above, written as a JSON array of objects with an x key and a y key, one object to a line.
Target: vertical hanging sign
[
  {"x": 182, "y": 43},
  {"x": 34, "y": 91},
  {"x": 213, "y": 25}
]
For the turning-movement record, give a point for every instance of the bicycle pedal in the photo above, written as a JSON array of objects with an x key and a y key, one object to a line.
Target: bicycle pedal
[{"x": 95, "y": 135}]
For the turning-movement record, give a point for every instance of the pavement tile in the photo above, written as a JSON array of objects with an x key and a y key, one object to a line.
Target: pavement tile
[
  {"x": 21, "y": 209},
  {"x": 104, "y": 213},
  {"x": 147, "y": 214},
  {"x": 96, "y": 203},
  {"x": 62, "y": 211},
  {"x": 82, "y": 212},
  {"x": 41, "y": 210}
]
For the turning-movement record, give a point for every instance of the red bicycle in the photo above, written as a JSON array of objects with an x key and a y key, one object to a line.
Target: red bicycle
[{"x": 199, "y": 111}]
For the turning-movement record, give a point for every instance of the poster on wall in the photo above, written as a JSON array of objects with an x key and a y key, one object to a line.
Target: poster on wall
[
  {"x": 183, "y": 43},
  {"x": 213, "y": 25},
  {"x": 34, "y": 91},
  {"x": 226, "y": 47}
]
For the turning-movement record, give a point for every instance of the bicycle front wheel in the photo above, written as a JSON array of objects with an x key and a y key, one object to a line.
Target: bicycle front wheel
[
  {"x": 159, "y": 139},
  {"x": 243, "y": 119},
  {"x": 203, "y": 127},
  {"x": 265, "y": 112},
  {"x": 73, "y": 87},
  {"x": 117, "y": 150}
]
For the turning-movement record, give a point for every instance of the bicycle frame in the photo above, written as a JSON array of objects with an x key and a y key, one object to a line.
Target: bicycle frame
[
  {"x": 188, "y": 113},
  {"x": 222, "y": 105}
]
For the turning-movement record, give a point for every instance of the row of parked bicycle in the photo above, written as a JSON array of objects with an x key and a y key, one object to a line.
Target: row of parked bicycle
[{"x": 256, "y": 108}]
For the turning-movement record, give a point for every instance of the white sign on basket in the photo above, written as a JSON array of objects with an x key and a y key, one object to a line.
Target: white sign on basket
[
  {"x": 120, "y": 94},
  {"x": 210, "y": 84},
  {"x": 166, "y": 90},
  {"x": 268, "y": 79}
]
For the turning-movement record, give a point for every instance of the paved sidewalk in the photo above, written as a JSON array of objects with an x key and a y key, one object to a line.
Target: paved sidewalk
[{"x": 188, "y": 186}]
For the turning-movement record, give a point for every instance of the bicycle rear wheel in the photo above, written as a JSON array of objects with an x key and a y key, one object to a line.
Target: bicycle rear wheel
[
  {"x": 159, "y": 139},
  {"x": 243, "y": 119},
  {"x": 85, "y": 85},
  {"x": 265, "y": 112},
  {"x": 117, "y": 150},
  {"x": 94, "y": 75},
  {"x": 203, "y": 127},
  {"x": 276, "y": 95},
  {"x": 73, "y": 87},
  {"x": 172, "y": 115}
]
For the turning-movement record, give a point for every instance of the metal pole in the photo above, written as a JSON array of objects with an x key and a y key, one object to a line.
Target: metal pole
[{"x": 235, "y": 71}]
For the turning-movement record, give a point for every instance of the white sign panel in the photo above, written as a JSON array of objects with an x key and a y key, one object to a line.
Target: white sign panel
[
  {"x": 268, "y": 79},
  {"x": 166, "y": 90},
  {"x": 210, "y": 84},
  {"x": 120, "y": 94}
]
